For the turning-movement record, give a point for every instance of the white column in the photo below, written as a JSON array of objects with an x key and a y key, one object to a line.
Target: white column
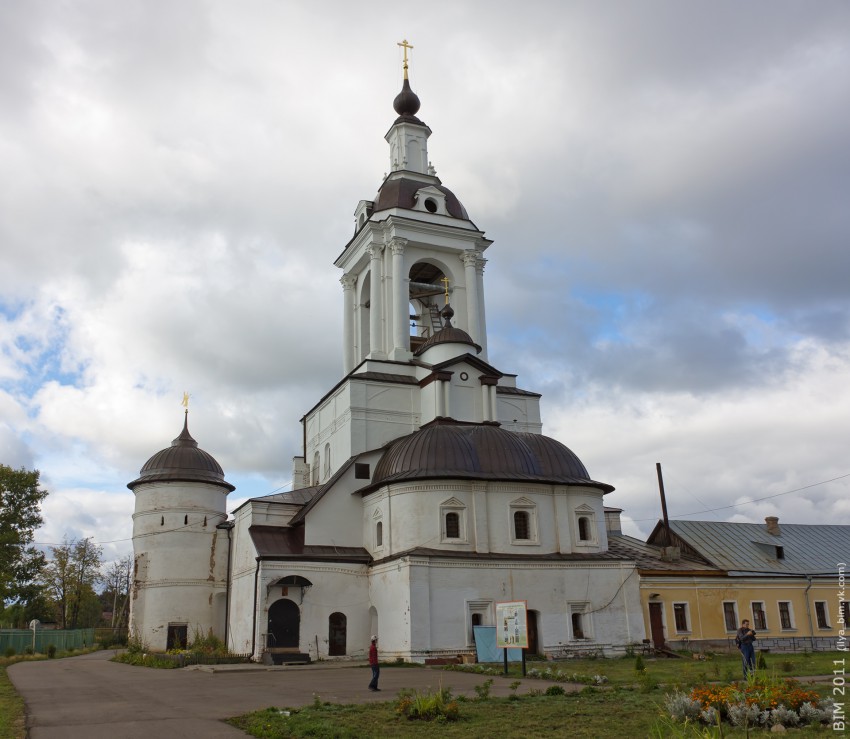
[
  {"x": 348, "y": 361},
  {"x": 401, "y": 311},
  {"x": 447, "y": 388},
  {"x": 440, "y": 398},
  {"x": 470, "y": 263},
  {"x": 485, "y": 403},
  {"x": 376, "y": 343},
  {"x": 494, "y": 410},
  {"x": 482, "y": 317}
]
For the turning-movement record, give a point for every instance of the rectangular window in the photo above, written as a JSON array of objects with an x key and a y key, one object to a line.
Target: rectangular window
[
  {"x": 820, "y": 613},
  {"x": 680, "y": 613},
  {"x": 730, "y": 615},
  {"x": 786, "y": 620},
  {"x": 844, "y": 610},
  {"x": 759, "y": 616}
]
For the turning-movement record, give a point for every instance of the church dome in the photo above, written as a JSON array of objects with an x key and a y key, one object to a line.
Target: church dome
[
  {"x": 448, "y": 334},
  {"x": 407, "y": 103},
  {"x": 183, "y": 461},
  {"x": 400, "y": 192},
  {"x": 449, "y": 449}
]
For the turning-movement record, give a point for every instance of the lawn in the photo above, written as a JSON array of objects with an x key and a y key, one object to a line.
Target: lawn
[
  {"x": 686, "y": 671},
  {"x": 11, "y": 710},
  {"x": 592, "y": 713},
  {"x": 628, "y": 705}
]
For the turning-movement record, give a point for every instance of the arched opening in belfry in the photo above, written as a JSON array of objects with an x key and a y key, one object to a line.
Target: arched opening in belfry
[{"x": 428, "y": 284}]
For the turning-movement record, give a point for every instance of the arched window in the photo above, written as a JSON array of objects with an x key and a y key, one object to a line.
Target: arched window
[
  {"x": 583, "y": 529},
  {"x": 578, "y": 630},
  {"x": 379, "y": 534},
  {"x": 521, "y": 528},
  {"x": 315, "y": 471},
  {"x": 452, "y": 525}
]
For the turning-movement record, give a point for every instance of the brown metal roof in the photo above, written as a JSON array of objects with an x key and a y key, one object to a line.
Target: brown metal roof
[
  {"x": 648, "y": 557},
  {"x": 398, "y": 192},
  {"x": 502, "y": 556},
  {"x": 281, "y": 543},
  {"x": 450, "y": 449},
  {"x": 183, "y": 461}
]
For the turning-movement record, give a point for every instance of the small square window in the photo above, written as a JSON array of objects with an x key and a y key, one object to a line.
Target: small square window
[
  {"x": 361, "y": 471},
  {"x": 523, "y": 522}
]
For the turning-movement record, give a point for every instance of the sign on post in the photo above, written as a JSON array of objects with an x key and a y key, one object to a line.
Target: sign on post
[{"x": 512, "y": 624}]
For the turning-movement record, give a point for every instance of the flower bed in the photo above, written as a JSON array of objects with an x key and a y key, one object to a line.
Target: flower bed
[{"x": 760, "y": 701}]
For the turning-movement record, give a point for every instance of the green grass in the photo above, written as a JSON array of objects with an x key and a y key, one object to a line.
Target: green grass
[
  {"x": 685, "y": 671},
  {"x": 11, "y": 710},
  {"x": 592, "y": 713}
]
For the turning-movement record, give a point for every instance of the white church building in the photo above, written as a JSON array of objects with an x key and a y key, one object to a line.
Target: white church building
[{"x": 425, "y": 492}]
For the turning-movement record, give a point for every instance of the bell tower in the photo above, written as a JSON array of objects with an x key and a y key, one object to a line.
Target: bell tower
[{"x": 414, "y": 247}]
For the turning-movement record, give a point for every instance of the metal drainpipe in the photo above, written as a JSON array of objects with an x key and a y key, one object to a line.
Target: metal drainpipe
[
  {"x": 809, "y": 612},
  {"x": 254, "y": 624}
]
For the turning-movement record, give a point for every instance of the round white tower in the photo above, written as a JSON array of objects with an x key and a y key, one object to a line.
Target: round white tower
[{"x": 180, "y": 553}]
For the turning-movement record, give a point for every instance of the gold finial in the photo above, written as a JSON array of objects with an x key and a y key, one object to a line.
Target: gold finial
[
  {"x": 185, "y": 402},
  {"x": 445, "y": 281},
  {"x": 405, "y": 46}
]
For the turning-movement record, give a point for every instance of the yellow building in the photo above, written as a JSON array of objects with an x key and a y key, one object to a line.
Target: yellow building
[{"x": 702, "y": 578}]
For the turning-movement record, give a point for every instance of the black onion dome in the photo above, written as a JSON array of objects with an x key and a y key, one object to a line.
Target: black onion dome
[
  {"x": 448, "y": 334},
  {"x": 406, "y": 103},
  {"x": 183, "y": 461},
  {"x": 449, "y": 449}
]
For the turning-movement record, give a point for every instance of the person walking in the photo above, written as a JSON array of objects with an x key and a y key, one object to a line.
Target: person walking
[
  {"x": 373, "y": 663},
  {"x": 744, "y": 641}
]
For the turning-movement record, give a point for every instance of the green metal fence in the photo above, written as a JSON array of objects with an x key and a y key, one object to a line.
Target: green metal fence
[{"x": 20, "y": 639}]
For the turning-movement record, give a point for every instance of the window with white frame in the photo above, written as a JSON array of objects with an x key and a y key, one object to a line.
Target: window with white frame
[
  {"x": 523, "y": 521},
  {"x": 452, "y": 521},
  {"x": 786, "y": 615},
  {"x": 759, "y": 616},
  {"x": 378, "y": 528},
  {"x": 730, "y": 615},
  {"x": 844, "y": 613},
  {"x": 681, "y": 618},
  {"x": 585, "y": 520},
  {"x": 327, "y": 462},
  {"x": 478, "y": 613},
  {"x": 580, "y": 622},
  {"x": 821, "y": 614}
]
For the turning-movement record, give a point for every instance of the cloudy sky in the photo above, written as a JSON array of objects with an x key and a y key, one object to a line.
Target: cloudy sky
[{"x": 666, "y": 184}]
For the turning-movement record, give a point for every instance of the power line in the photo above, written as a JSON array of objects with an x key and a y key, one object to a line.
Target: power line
[{"x": 753, "y": 500}]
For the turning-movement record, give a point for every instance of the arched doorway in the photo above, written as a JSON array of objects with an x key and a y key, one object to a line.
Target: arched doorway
[
  {"x": 533, "y": 633},
  {"x": 284, "y": 624},
  {"x": 337, "y": 627}
]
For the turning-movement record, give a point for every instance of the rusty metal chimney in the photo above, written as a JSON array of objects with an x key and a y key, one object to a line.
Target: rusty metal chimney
[{"x": 772, "y": 525}]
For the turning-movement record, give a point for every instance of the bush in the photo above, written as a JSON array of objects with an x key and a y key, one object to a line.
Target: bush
[
  {"x": 10, "y": 652},
  {"x": 555, "y": 690},
  {"x": 51, "y": 651},
  {"x": 639, "y": 665},
  {"x": 682, "y": 706},
  {"x": 28, "y": 650},
  {"x": 761, "y": 662},
  {"x": 428, "y": 706}
]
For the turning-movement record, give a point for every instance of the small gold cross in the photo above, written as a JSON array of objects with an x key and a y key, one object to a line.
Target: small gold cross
[
  {"x": 445, "y": 281},
  {"x": 405, "y": 46}
]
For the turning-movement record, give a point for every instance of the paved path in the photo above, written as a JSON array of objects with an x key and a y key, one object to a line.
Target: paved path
[{"x": 89, "y": 697}]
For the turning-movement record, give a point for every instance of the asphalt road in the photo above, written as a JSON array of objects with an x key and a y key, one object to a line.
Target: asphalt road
[{"x": 90, "y": 697}]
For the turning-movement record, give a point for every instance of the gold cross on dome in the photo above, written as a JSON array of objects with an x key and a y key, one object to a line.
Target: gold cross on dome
[
  {"x": 405, "y": 46},
  {"x": 445, "y": 281},
  {"x": 185, "y": 402}
]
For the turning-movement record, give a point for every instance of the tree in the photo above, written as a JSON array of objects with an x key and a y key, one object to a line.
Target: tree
[
  {"x": 116, "y": 591},
  {"x": 70, "y": 576},
  {"x": 20, "y": 516}
]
